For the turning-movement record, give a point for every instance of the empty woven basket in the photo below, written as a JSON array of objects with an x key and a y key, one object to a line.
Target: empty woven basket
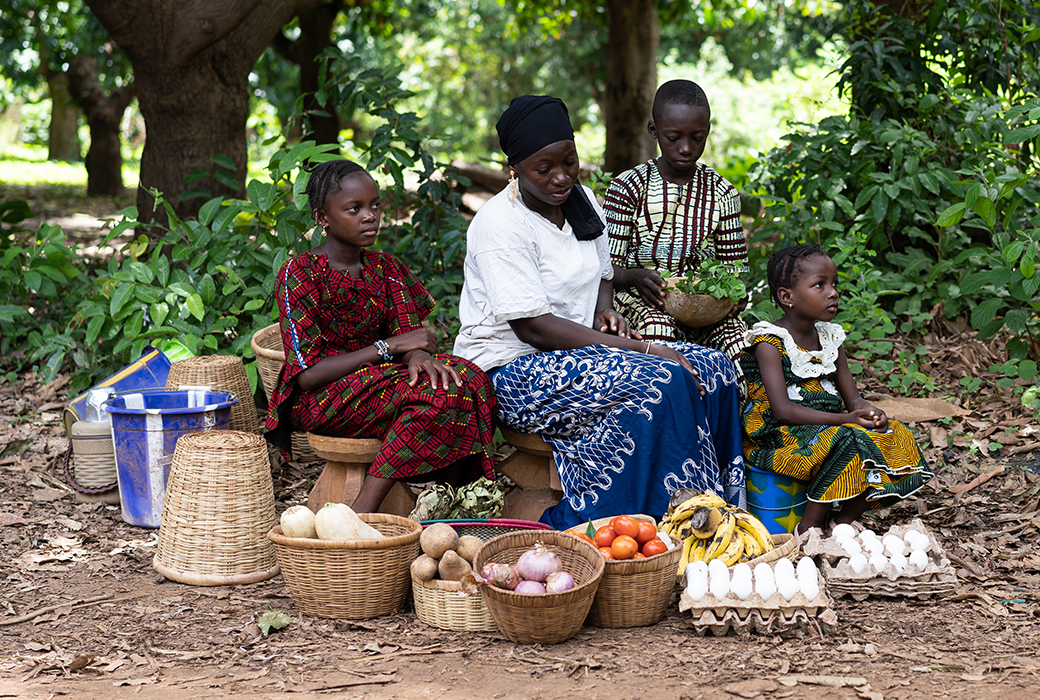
[
  {"x": 218, "y": 509},
  {"x": 221, "y": 373},
  {"x": 267, "y": 346}
]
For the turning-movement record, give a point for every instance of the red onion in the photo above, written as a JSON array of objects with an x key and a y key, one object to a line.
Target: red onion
[
  {"x": 558, "y": 582},
  {"x": 529, "y": 587},
  {"x": 536, "y": 564},
  {"x": 501, "y": 575}
]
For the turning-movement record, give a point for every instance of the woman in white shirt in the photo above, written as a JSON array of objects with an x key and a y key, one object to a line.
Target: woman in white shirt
[{"x": 630, "y": 421}]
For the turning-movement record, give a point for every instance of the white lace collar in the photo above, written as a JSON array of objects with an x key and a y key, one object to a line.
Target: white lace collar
[{"x": 832, "y": 335}]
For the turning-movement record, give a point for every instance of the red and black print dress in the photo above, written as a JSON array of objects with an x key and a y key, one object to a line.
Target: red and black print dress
[{"x": 325, "y": 312}]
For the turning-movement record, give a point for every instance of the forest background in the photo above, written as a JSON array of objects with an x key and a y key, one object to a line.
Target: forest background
[{"x": 900, "y": 135}]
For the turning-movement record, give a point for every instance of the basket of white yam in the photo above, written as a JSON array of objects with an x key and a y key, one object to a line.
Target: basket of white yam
[{"x": 344, "y": 565}]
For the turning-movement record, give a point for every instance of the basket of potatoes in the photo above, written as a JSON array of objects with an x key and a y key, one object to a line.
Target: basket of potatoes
[{"x": 448, "y": 553}]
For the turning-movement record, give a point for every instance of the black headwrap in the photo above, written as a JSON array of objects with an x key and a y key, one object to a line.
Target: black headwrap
[{"x": 529, "y": 124}]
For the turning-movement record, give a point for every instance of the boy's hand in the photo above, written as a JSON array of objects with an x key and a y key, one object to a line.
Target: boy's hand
[{"x": 649, "y": 285}]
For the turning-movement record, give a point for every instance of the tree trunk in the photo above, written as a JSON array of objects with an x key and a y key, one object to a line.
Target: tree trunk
[
  {"x": 631, "y": 83},
  {"x": 63, "y": 135},
  {"x": 315, "y": 37},
  {"x": 104, "y": 114},
  {"x": 191, "y": 62}
]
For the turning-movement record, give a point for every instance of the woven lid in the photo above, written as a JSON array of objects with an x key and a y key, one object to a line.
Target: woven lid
[{"x": 221, "y": 373}]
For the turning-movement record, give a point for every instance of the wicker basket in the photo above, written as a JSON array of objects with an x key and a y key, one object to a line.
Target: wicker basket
[
  {"x": 633, "y": 592},
  {"x": 267, "y": 346},
  {"x": 546, "y": 618},
  {"x": 218, "y": 507},
  {"x": 438, "y": 603},
  {"x": 220, "y": 373},
  {"x": 786, "y": 548},
  {"x": 353, "y": 580},
  {"x": 695, "y": 310}
]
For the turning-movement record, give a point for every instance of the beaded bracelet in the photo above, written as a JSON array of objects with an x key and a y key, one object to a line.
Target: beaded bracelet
[{"x": 383, "y": 350}]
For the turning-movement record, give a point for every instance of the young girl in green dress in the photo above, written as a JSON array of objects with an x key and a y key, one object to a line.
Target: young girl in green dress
[{"x": 804, "y": 417}]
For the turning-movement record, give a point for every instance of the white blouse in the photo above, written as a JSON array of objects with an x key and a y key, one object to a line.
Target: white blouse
[
  {"x": 520, "y": 265},
  {"x": 831, "y": 335}
]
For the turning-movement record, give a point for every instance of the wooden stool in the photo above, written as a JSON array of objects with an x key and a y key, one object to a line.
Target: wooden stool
[
  {"x": 346, "y": 463},
  {"x": 533, "y": 469}
]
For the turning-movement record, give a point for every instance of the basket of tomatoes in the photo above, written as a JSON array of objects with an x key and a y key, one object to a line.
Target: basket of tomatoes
[{"x": 639, "y": 575}]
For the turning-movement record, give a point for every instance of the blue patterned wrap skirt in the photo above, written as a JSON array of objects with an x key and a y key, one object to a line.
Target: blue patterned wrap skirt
[{"x": 627, "y": 429}]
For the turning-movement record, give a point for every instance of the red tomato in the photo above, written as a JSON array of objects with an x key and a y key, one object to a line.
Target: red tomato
[
  {"x": 646, "y": 533},
  {"x": 654, "y": 547},
  {"x": 583, "y": 536},
  {"x": 605, "y": 551},
  {"x": 624, "y": 547},
  {"x": 625, "y": 525},
  {"x": 639, "y": 555},
  {"x": 604, "y": 536}
]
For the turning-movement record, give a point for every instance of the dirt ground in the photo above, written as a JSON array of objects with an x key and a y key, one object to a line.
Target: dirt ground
[{"x": 84, "y": 615}]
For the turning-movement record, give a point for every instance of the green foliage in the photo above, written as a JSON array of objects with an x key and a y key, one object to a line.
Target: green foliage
[
  {"x": 715, "y": 278},
  {"x": 273, "y": 619}
]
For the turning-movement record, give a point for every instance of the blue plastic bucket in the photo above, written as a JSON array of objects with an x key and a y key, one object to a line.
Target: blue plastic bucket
[
  {"x": 150, "y": 370},
  {"x": 777, "y": 500},
  {"x": 145, "y": 428}
]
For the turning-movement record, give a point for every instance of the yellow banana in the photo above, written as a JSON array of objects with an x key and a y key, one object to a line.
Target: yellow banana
[
  {"x": 752, "y": 548},
  {"x": 685, "y": 509},
  {"x": 684, "y": 530},
  {"x": 698, "y": 549},
  {"x": 732, "y": 553},
  {"x": 685, "y": 558},
  {"x": 705, "y": 521},
  {"x": 752, "y": 528},
  {"x": 723, "y": 536}
]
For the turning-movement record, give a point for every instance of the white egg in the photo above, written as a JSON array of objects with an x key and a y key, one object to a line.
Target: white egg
[
  {"x": 920, "y": 544},
  {"x": 898, "y": 562},
  {"x": 895, "y": 547},
  {"x": 743, "y": 569},
  {"x": 719, "y": 585},
  {"x": 697, "y": 587},
  {"x": 874, "y": 546},
  {"x": 806, "y": 568},
  {"x": 843, "y": 530},
  {"x": 851, "y": 547},
  {"x": 783, "y": 566},
  {"x": 741, "y": 586},
  {"x": 879, "y": 561},
  {"x": 867, "y": 534},
  {"x": 788, "y": 586},
  {"x": 716, "y": 567},
  {"x": 697, "y": 568},
  {"x": 765, "y": 584},
  {"x": 919, "y": 559},
  {"x": 810, "y": 588},
  {"x": 857, "y": 562},
  {"x": 890, "y": 538}
]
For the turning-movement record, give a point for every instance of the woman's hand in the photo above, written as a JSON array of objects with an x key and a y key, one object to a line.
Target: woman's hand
[
  {"x": 422, "y": 361},
  {"x": 738, "y": 308},
  {"x": 676, "y": 356},
  {"x": 419, "y": 339},
  {"x": 649, "y": 285},
  {"x": 610, "y": 321}
]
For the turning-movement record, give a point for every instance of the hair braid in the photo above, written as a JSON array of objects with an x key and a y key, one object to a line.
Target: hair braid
[
  {"x": 782, "y": 270},
  {"x": 326, "y": 178}
]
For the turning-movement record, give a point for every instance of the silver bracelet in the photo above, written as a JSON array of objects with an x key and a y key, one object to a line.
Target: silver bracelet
[{"x": 383, "y": 350}]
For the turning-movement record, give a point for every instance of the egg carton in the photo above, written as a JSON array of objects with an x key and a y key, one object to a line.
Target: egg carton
[
  {"x": 776, "y": 622},
  {"x": 755, "y": 613},
  {"x": 938, "y": 577}
]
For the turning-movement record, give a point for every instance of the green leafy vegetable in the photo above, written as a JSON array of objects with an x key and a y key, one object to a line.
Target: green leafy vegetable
[
  {"x": 715, "y": 278},
  {"x": 482, "y": 498},
  {"x": 272, "y": 618}
]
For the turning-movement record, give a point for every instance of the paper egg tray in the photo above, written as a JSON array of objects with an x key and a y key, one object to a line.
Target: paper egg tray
[
  {"x": 770, "y": 616},
  {"x": 937, "y": 579}
]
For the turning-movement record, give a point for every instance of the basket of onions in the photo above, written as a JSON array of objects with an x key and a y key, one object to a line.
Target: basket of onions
[{"x": 539, "y": 584}]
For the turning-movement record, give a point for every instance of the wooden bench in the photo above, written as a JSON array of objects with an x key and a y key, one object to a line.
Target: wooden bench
[
  {"x": 346, "y": 463},
  {"x": 533, "y": 469}
]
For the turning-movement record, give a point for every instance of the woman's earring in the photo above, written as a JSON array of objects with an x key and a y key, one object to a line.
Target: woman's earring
[{"x": 512, "y": 191}]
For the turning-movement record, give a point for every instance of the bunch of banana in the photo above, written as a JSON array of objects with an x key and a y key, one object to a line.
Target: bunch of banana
[{"x": 709, "y": 528}]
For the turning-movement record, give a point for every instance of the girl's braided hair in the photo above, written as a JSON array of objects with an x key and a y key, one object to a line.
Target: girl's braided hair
[
  {"x": 326, "y": 178},
  {"x": 782, "y": 270}
]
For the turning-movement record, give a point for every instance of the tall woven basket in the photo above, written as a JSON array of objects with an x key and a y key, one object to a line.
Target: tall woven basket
[
  {"x": 267, "y": 346},
  {"x": 221, "y": 373},
  {"x": 350, "y": 579},
  {"x": 218, "y": 508},
  {"x": 545, "y": 618}
]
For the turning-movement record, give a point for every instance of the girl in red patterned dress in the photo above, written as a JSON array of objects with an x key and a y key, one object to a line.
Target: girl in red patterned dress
[{"x": 358, "y": 362}]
